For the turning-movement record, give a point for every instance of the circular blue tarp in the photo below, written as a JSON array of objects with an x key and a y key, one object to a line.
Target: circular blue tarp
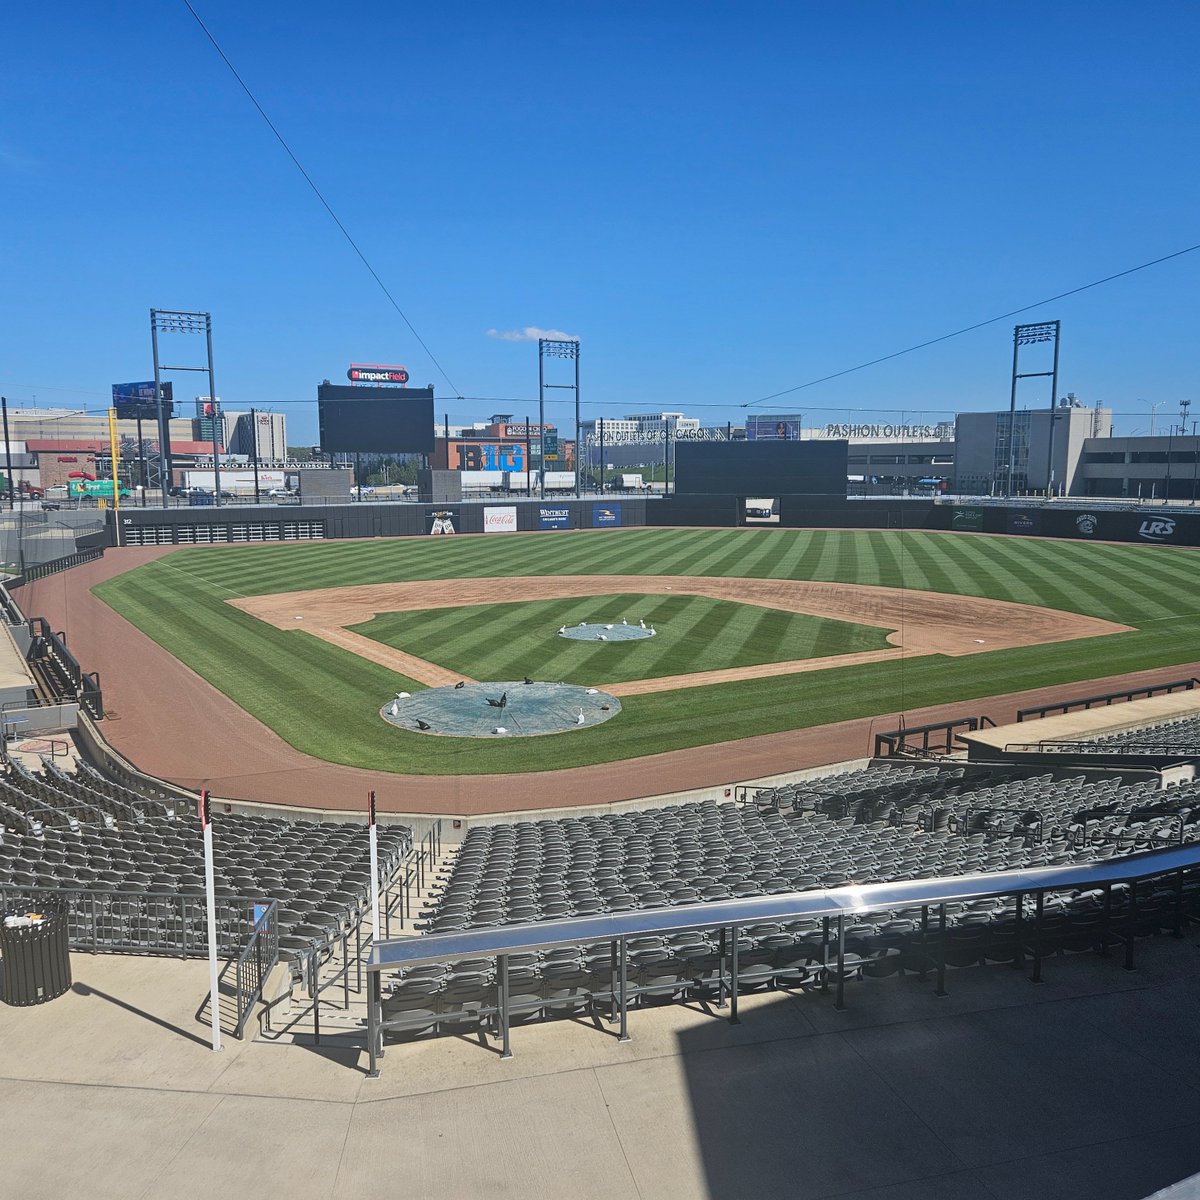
[
  {"x": 518, "y": 709},
  {"x": 618, "y": 631}
]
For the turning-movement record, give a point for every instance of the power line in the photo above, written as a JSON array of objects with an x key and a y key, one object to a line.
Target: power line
[
  {"x": 317, "y": 192},
  {"x": 970, "y": 328}
]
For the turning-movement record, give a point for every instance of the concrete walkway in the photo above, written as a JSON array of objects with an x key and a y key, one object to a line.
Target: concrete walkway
[{"x": 1084, "y": 1086}]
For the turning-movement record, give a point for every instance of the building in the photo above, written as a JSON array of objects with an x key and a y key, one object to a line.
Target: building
[
  {"x": 261, "y": 434},
  {"x": 1141, "y": 468},
  {"x": 1027, "y": 451},
  {"x": 637, "y": 428}
]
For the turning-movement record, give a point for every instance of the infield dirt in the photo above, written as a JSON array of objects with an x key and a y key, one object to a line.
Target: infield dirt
[{"x": 919, "y": 623}]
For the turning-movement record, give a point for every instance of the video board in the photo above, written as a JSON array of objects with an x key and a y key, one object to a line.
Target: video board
[{"x": 383, "y": 420}]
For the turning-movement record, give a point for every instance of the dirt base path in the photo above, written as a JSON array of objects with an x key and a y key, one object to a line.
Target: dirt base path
[
  {"x": 174, "y": 725},
  {"x": 918, "y": 622}
]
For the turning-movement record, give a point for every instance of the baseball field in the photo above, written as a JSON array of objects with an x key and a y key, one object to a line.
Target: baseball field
[{"x": 757, "y": 630}]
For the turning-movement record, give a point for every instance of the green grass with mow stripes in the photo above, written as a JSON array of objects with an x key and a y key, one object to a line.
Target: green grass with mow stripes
[
  {"x": 325, "y": 701},
  {"x": 692, "y": 633}
]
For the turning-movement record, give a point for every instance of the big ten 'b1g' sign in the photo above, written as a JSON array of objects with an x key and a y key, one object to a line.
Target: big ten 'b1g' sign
[{"x": 491, "y": 456}]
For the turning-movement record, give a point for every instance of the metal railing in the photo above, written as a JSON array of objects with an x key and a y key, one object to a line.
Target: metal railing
[
  {"x": 937, "y": 739},
  {"x": 172, "y": 924},
  {"x": 255, "y": 963},
  {"x": 985, "y": 818},
  {"x": 1058, "y": 707},
  {"x": 1091, "y": 746},
  {"x": 10, "y": 610},
  {"x": 49, "y": 655},
  {"x": 78, "y": 558},
  {"x": 395, "y": 898},
  {"x": 831, "y": 905}
]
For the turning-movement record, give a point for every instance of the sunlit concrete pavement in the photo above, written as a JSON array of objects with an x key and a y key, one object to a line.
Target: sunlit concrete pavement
[{"x": 1083, "y": 1086}]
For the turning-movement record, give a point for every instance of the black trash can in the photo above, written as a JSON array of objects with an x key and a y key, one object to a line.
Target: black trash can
[{"x": 36, "y": 953}]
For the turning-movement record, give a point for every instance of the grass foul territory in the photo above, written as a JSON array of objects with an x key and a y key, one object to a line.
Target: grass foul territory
[{"x": 325, "y": 700}]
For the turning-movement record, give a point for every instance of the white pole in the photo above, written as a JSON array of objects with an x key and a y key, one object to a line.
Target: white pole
[
  {"x": 214, "y": 995},
  {"x": 374, "y": 873}
]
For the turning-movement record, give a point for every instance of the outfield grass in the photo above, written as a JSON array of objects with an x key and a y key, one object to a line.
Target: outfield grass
[
  {"x": 325, "y": 701},
  {"x": 693, "y": 633}
]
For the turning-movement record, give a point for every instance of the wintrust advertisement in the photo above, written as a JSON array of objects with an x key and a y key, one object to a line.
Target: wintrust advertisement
[
  {"x": 500, "y": 520},
  {"x": 554, "y": 518}
]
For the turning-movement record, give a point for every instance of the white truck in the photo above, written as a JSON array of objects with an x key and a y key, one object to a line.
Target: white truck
[{"x": 630, "y": 483}]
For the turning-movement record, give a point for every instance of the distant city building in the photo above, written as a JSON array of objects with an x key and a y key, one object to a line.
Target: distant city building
[{"x": 261, "y": 433}]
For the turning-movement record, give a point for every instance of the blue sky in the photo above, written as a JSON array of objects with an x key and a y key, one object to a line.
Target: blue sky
[{"x": 721, "y": 201}]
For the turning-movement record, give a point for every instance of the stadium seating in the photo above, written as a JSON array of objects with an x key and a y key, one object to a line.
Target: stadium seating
[
  {"x": 82, "y": 831},
  {"x": 866, "y": 826},
  {"x": 1180, "y": 736}
]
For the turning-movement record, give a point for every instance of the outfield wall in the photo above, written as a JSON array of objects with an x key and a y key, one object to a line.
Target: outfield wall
[
  {"x": 1177, "y": 525},
  {"x": 272, "y": 522}
]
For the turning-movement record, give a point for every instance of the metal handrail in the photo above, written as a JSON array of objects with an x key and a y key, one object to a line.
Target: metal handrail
[
  {"x": 1084, "y": 746},
  {"x": 1106, "y": 698},
  {"x": 830, "y": 904},
  {"x": 255, "y": 963},
  {"x": 176, "y": 917}
]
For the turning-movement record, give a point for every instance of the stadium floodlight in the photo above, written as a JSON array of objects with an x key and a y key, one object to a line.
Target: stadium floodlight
[
  {"x": 555, "y": 348},
  {"x": 168, "y": 320},
  {"x": 1028, "y": 335}
]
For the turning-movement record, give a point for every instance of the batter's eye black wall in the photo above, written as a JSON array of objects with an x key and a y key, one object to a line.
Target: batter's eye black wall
[{"x": 812, "y": 468}]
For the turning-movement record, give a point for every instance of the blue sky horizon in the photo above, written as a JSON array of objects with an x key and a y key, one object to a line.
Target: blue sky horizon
[{"x": 721, "y": 204}]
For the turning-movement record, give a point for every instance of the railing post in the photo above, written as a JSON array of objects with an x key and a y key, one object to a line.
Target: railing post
[
  {"x": 923, "y": 973},
  {"x": 1131, "y": 925},
  {"x": 824, "y": 954},
  {"x": 733, "y": 975},
  {"x": 374, "y": 1033},
  {"x": 1106, "y": 922},
  {"x": 941, "y": 958},
  {"x": 623, "y": 1036},
  {"x": 346, "y": 970},
  {"x": 316, "y": 995},
  {"x": 841, "y": 962},
  {"x": 1037, "y": 937},
  {"x": 502, "y": 997},
  {"x": 1019, "y": 953},
  {"x": 721, "y": 968},
  {"x": 612, "y": 999},
  {"x": 258, "y": 962}
]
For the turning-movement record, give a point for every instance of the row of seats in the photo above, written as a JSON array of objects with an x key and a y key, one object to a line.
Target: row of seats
[
  {"x": 872, "y": 825},
  {"x": 1181, "y": 736},
  {"x": 319, "y": 872},
  {"x": 696, "y": 965},
  {"x": 509, "y": 874}
]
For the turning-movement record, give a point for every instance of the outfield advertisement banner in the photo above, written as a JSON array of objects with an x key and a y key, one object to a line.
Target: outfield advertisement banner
[
  {"x": 969, "y": 519},
  {"x": 500, "y": 520},
  {"x": 443, "y": 520},
  {"x": 1023, "y": 521},
  {"x": 606, "y": 515},
  {"x": 554, "y": 518}
]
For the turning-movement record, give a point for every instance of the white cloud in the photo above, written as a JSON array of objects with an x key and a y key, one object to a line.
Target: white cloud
[{"x": 531, "y": 333}]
